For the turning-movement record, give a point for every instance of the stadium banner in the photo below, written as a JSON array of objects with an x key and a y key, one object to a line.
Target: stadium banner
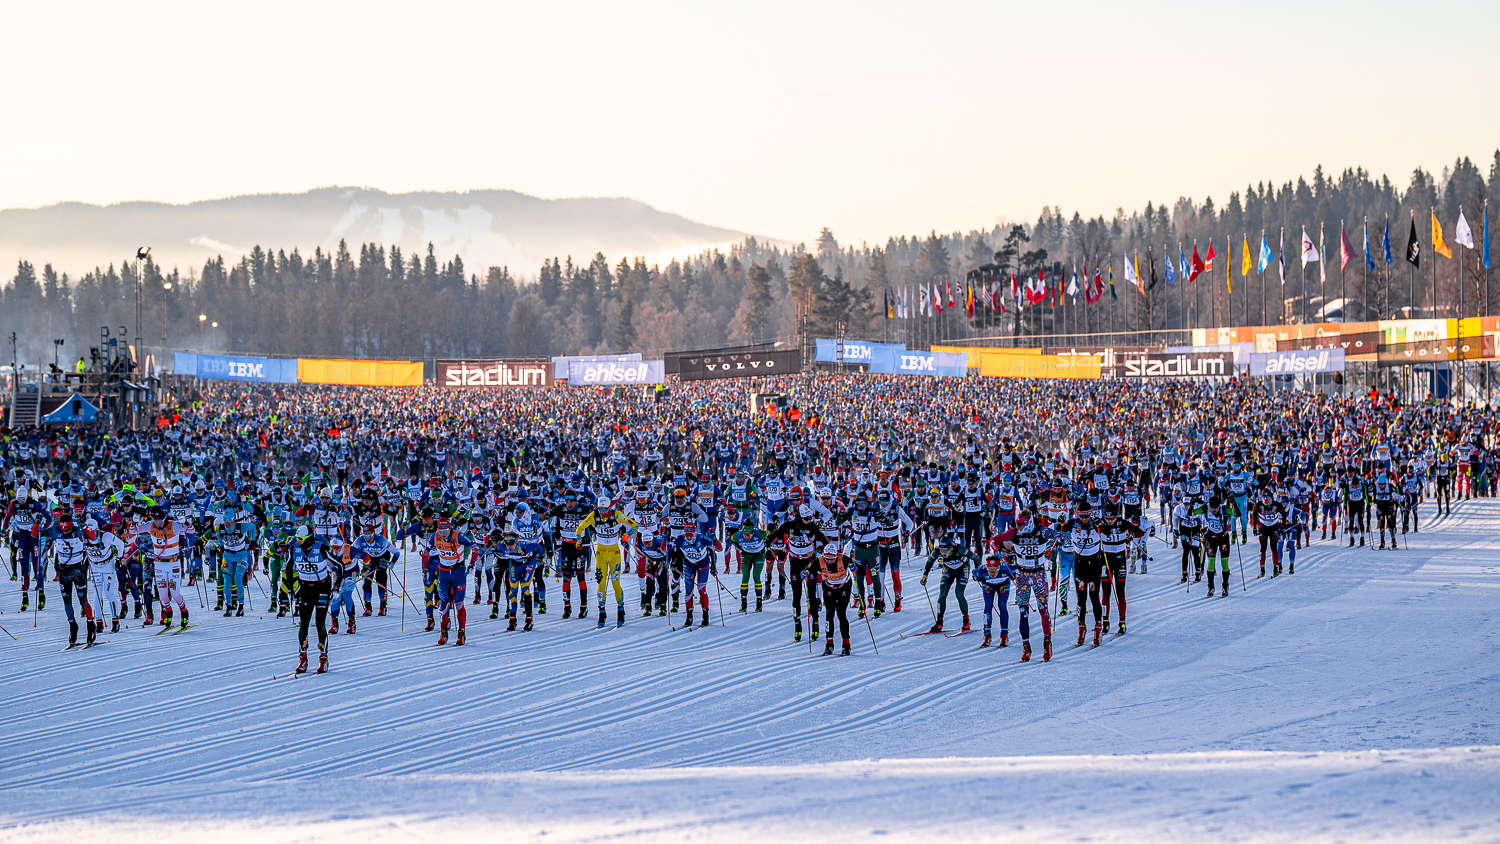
[
  {"x": 233, "y": 368},
  {"x": 360, "y": 373},
  {"x": 1181, "y": 365},
  {"x": 997, "y": 364},
  {"x": 703, "y": 366},
  {"x": 1297, "y": 361},
  {"x": 611, "y": 373},
  {"x": 494, "y": 373},
  {"x": 855, "y": 351},
  {"x": 941, "y": 364},
  {"x": 1241, "y": 351}
]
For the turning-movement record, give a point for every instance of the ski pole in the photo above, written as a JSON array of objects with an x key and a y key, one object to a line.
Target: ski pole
[
  {"x": 1241, "y": 554},
  {"x": 10, "y": 634},
  {"x": 720, "y": 600}
]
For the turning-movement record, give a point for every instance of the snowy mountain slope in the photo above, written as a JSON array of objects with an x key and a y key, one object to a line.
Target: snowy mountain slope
[{"x": 1361, "y": 650}]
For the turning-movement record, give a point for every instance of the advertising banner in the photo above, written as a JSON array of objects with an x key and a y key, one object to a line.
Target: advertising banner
[
  {"x": 1182, "y": 365},
  {"x": 855, "y": 351},
  {"x": 1297, "y": 361},
  {"x": 1003, "y": 365},
  {"x": 943, "y": 364},
  {"x": 494, "y": 373},
  {"x": 613, "y": 373},
  {"x": 361, "y": 373},
  {"x": 227, "y": 368},
  {"x": 703, "y": 366}
]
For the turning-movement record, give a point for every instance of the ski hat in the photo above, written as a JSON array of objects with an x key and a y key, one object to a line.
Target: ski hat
[{"x": 303, "y": 533}]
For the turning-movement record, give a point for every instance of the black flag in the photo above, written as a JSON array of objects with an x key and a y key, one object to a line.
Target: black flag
[
  {"x": 1413, "y": 246},
  {"x": 1151, "y": 259}
]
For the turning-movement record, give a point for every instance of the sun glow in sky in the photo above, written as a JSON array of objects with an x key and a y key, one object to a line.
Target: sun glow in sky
[{"x": 872, "y": 118}]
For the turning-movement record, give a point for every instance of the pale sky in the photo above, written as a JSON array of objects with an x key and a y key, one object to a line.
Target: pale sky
[{"x": 872, "y": 118}]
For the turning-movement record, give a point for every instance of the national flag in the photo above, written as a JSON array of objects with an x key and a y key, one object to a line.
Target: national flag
[
  {"x": 1182, "y": 263},
  {"x": 1438, "y": 245},
  {"x": 1346, "y": 249},
  {"x": 1413, "y": 246},
  {"x": 924, "y": 301},
  {"x": 1229, "y": 262},
  {"x": 1133, "y": 277},
  {"x": 1281, "y": 259},
  {"x": 948, "y": 285},
  {"x": 1098, "y": 283},
  {"x": 1309, "y": 250},
  {"x": 1015, "y": 289},
  {"x": 969, "y": 295},
  {"x": 890, "y": 304},
  {"x": 1112, "y": 281},
  {"x": 1208, "y": 257},
  {"x": 1168, "y": 271},
  {"x": 1322, "y": 250},
  {"x": 1073, "y": 284},
  {"x": 1195, "y": 267},
  {"x": 1151, "y": 266},
  {"x": 1245, "y": 255},
  {"x": 1266, "y": 255},
  {"x": 1484, "y": 231},
  {"x": 1385, "y": 242},
  {"x": 1462, "y": 234},
  {"x": 937, "y": 299},
  {"x": 1369, "y": 259},
  {"x": 901, "y": 303}
]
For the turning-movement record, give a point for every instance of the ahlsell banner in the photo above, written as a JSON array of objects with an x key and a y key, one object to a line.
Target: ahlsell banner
[
  {"x": 703, "y": 366},
  {"x": 1297, "y": 361},
  {"x": 494, "y": 373},
  {"x": 613, "y": 373},
  {"x": 1185, "y": 365}
]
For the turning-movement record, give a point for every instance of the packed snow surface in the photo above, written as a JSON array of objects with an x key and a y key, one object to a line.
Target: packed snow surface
[{"x": 1354, "y": 700}]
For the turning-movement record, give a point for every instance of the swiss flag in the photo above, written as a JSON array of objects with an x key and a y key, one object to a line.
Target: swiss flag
[{"x": 1196, "y": 267}]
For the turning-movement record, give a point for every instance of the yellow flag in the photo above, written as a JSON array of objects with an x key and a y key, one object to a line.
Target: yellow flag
[
  {"x": 1229, "y": 263},
  {"x": 1438, "y": 245},
  {"x": 1245, "y": 257}
]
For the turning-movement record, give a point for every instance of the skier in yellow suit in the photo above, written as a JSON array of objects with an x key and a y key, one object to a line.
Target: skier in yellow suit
[{"x": 609, "y": 530}]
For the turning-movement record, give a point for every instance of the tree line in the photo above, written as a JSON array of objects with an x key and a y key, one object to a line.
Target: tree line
[{"x": 377, "y": 302}]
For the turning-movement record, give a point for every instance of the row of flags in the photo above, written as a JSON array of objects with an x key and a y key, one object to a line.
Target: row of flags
[{"x": 985, "y": 286}]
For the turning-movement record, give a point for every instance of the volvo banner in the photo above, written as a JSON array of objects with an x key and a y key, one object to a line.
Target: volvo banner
[
  {"x": 264, "y": 370},
  {"x": 889, "y": 361},
  {"x": 612, "y": 373},
  {"x": 1297, "y": 362},
  {"x": 708, "y": 365},
  {"x": 494, "y": 373}
]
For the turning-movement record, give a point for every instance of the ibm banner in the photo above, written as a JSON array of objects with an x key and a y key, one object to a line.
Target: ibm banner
[
  {"x": 264, "y": 370},
  {"x": 494, "y": 373},
  {"x": 946, "y": 364},
  {"x": 1297, "y": 362},
  {"x": 612, "y": 373},
  {"x": 709, "y": 365},
  {"x": 1185, "y": 365},
  {"x": 855, "y": 351}
]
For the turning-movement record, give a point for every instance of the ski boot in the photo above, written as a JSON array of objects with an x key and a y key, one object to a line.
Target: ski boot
[
  {"x": 25, "y": 601},
  {"x": 1197, "y": 574},
  {"x": 323, "y": 663},
  {"x": 744, "y": 603},
  {"x": 1276, "y": 570},
  {"x": 966, "y": 628},
  {"x": 528, "y": 625},
  {"x": 138, "y": 611},
  {"x": 302, "y": 664},
  {"x": 73, "y": 633},
  {"x": 815, "y": 628},
  {"x": 703, "y": 622},
  {"x": 350, "y": 628},
  {"x": 583, "y": 604},
  {"x": 227, "y": 613},
  {"x": 828, "y": 647},
  {"x": 149, "y": 620},
  {"x": 1026, "y": 651},
  {"x": 845, "y": 651},
  {"x": 781, "y": 592},
  {"x": 1122, "y": 628},
  {"x": 1047, "y": 648},
  {"x": 1098, "y": 631},
  {"x": 797, "y": 629},
  {"x": 460, "y": 639},
  {"x": 184, "y": 618},
  {"x": 567, "y": 609},
  {"x": 937, "y": 626},
  {"x": 1143, "y": 565},
  {"x": 430, "y": 625},
  {"x": 602, "y": 617},
  {"x": 620, "y": 616},
  {"x": 239, "y": 611},
  {"x": 1210, "y": 585},
  {"x": 896, "y": 607},
  {"x": 494, "y": 611},
  {"x": 381, "y": 612},
  {"x": 986, "y": 642},
  {"x": 676, "y": 607},
  {"x": 367, "y": 611},
  {"x": 1262, "y": 570},
  {"x": 541, "y": 607},
  {"x": 757, "y": 603},
  {"x": 1382, "y": 541},
  {"x": 219, "y": 605},
  {"x": 281, "y": 613},
  {"x": 114, "y": 625},
  {"x": 1005, "y": 638},
  {"x": 166, "y": 617},
  {"x": 1062, "y": 608},
  {"x": 443, "y": 636},
  {"x": 510, "y": 625},
  {"x": 333, "y": 625},
  {"x": 1184, "y": 575},
  {"x": 1361, "y": 540},
  {"x": 1082, "y": 631}
]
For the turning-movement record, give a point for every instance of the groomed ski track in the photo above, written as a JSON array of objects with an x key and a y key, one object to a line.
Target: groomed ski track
[{"x": 1353, "y": 700}]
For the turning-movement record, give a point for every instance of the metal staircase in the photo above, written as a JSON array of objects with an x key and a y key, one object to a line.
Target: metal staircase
[{"x": 25, "y": 409}]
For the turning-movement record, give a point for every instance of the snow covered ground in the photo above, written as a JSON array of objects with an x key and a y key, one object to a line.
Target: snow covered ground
[{"x": 1351, "y": 701}]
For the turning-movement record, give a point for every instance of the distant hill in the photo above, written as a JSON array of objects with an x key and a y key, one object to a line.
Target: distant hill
[{"x": 486, "y": 227}]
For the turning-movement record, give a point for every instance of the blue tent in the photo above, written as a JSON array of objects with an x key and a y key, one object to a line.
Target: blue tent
[{"x": 74, "y": 409}]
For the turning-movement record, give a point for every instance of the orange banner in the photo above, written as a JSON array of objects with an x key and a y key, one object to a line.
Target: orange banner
[
  {"x": 995, "y": 363},
  {"x": 365, "y": 373}
]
